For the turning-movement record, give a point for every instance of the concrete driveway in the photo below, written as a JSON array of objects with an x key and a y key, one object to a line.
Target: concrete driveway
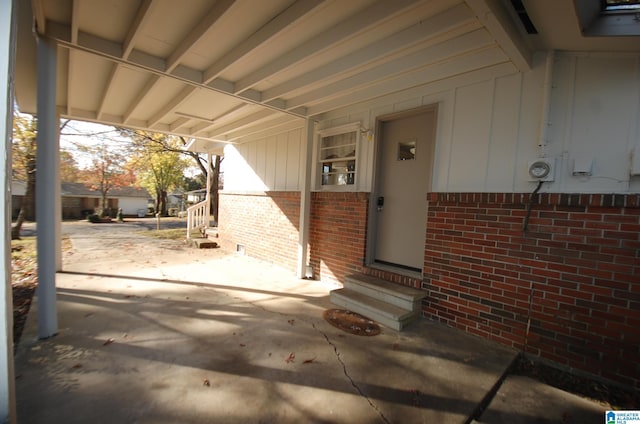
[{"x": 151, "y": 331}]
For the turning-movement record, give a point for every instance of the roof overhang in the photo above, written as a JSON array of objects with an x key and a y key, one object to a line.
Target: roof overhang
[{"x": 228, "y": 71}]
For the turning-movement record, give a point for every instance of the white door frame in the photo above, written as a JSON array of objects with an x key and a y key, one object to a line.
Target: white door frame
[{"x": 372, "y": 221}]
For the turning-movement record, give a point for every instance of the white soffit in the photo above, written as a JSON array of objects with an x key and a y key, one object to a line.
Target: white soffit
[{"x": 225, "y": 70}]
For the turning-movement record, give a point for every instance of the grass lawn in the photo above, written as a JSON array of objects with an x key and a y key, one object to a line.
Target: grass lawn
[{"x": 170, "y": 234}]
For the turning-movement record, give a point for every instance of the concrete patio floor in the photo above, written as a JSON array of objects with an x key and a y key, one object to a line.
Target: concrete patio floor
[{"x": 153, "y": 332}]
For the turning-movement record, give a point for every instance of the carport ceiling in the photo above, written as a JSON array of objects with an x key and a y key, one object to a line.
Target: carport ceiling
[{"x": 230, "y": 71}]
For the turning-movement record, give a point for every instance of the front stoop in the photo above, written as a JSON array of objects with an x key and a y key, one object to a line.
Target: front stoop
[
  {"x": 392, "y": 305},
  {"x": 202, "y": 243},
  {"x": 206, "y": 241}
]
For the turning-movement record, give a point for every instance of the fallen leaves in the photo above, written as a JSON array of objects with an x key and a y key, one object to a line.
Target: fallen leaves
[
  {"x": 292, "y": 358},
  {"x": 206, "y": 382},
  {"x": 108, "y": 341}
]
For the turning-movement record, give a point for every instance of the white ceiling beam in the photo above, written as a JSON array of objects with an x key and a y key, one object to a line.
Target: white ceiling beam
[
  {"x": 75, "y": 19},
  {"x": 293, "y": 13},
  {"x": 172, "y": 105},
  {"x": 142, "y": 16},
  {"x": 493, "y": 60},
  {"x": 292, "y": 124},
  {"x": 447, "y": 50},
  {"x": 115, "y": 68},
  {"x": 70, "y": 77},
  {"x": 155, "y": 65},
  {"x": 493, "y": 15},
  {"x": 456, "y": 17},
  {"x": 40, "y": 18},
  {"x": 151, "y": 83},
  {"x": 252, "y": 119},
  {"x": 218, "y": 10},
  {"x": 179, "y": 123},
  {"x": 264, "y": 126},
  {"x": 75, "y": 11},
  {"x": 226, "y": 116},
  {"x": 199, "y": 127},
  {"x": 371, "y": 17}
]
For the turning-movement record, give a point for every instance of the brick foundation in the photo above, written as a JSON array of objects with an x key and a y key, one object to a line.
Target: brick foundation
[
  {"x": 338, "y": 233},
  {"x": 577, "y": 269},
  {"x": 266, "y": 224}
]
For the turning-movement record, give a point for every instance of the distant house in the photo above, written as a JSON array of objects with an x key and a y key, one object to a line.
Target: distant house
[
  {"x": 18, "y": 189},
  {"x": 78, "y": 200}
]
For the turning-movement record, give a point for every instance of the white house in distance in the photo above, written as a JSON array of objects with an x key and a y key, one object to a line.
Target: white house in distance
[{"x": 486, "y": 152}]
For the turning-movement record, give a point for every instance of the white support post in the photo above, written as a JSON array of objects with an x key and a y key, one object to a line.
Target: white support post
[
  {"x": 7, "y": 56},
  {"x": 207, "y": 211},
  {"x": 47, "y": 187},
  {"x": 57, "y": 198},
  {"x": 305, "y": 199}
]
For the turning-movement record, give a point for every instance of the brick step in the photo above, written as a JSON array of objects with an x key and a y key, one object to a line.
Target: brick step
[
  {"x": 385, "y": 313},
  {"x": 395, "y": 294}
]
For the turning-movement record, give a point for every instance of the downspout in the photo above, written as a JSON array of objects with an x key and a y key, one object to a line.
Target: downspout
[{"x": 543, "y": 129}]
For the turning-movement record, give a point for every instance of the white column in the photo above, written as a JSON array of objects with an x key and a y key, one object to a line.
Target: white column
[
  {"x": 7, "y": 56},
  {"x": 47, "y": 187},
  {"x": 305, "y": 199},
  {"x": 57, "y": 198},
  {"x": 207, "y": 213}
]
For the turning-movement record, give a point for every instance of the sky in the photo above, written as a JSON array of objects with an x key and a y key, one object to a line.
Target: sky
[{"x": 86, "y": 133}]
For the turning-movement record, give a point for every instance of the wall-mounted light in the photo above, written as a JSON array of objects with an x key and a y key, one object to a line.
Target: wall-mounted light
[{"x": 368, "y": 134}]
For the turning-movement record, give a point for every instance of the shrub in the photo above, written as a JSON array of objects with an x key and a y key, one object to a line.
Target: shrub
[{"x": 94, "y": 218}]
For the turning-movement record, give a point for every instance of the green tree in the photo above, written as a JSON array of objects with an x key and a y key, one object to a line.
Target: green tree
[
  {"x": 157, "y": 142},
  {"x": 23, "y": 151},
  {"x": 160, "y": 172}
]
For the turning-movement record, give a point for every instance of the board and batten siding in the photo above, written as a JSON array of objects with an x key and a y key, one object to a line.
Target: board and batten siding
[
  {"x": 269, "y": 164},
  {"x": 489, "y": 129}
]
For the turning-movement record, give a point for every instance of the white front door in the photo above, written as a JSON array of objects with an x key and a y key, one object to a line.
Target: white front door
[{"x": 404, "y": 178}]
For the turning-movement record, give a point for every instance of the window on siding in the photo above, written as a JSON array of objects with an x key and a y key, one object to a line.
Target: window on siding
[{"x": 337, "y": 157}]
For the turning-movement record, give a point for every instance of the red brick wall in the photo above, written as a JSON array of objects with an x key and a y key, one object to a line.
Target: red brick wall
[
  {"x": 577, "y": 268},
  {"x": 266, "y": 224},
  {"x": 338, "y": 233}
]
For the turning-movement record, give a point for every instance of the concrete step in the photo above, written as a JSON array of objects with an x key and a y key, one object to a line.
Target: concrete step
[
  {"x": 396, "y": 294},
  {"x": 212, "y": 232},
  {"x": 385, "y": 313},
  {"x": 202, "y": 243}
]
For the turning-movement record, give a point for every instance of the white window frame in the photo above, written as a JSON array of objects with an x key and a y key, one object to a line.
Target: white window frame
[{"x": 318, "y": 161}]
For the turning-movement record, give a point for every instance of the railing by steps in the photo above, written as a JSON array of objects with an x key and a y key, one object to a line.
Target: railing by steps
[{"x": 198, "y": 217}]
